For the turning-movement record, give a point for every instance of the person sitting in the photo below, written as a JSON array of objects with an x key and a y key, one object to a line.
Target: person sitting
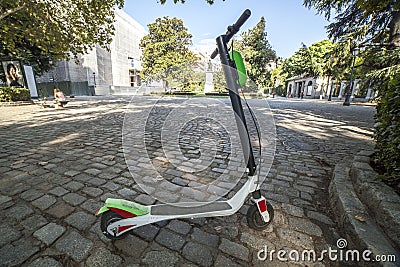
[{"x": 60, "y": 97}]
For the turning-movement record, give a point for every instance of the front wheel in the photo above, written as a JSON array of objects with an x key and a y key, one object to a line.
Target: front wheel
[
  {"x": 108, "y": 218},
  {"x": 254, "y": 218}
]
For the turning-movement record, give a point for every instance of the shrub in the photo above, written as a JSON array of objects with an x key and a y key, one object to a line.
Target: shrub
[
  {"x": 8, "y": 94},
  {"x": 387, "y": 129}
]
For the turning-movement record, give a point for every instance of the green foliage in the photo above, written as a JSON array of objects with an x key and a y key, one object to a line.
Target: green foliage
[
  {"x": 374, "y": 25},
  {"x": 279, "y": 90},
  {"x": 183, "y": 1},
  {"x": 8, "y": 94},
  {"x": 366, "y": 21},
  {"x": 278, "y": 77},
  {"x": 35, "y": 30},
  {"x": 316, "y": 60},
  {"x": 165, "y": 48},
  {"x": 387, "y": 129},
  {"x": 257, "y": 53}
]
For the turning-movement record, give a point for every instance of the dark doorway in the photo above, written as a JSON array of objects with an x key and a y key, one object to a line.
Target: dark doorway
[{"x": 300, "y": 89}]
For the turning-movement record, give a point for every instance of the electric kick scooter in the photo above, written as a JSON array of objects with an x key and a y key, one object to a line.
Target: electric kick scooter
[{"x": 119, "y": 216}]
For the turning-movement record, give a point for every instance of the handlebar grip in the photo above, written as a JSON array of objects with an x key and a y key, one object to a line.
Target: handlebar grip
[
  {"x": 214, "y": 54},
  {"x": 232, "y": 30},
  {"x": 242, "y": 19}
]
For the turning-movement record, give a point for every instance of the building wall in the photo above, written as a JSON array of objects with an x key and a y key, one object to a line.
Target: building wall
[
  {"x": 311, "y": 87},
  {"x": 125, "y": 51},
  {"x": 99, "y": 69},
  {"x": 319, "y": 88}
]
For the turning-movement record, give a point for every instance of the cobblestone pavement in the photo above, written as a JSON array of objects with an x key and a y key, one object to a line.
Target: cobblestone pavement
[{"x": 58, "y": 166}]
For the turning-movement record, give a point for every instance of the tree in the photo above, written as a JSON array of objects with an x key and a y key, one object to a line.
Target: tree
[
  {"x": 299, "y": 63},
  {"x": 166, "y": 46},
  {"x": 183, "y": 1},
  {"x": 257, "y": 53},
  {"x": 37, "y": 30},
  {"x": 374, "y": 25},
  {"x": 366, "y": 20},
  {"x": 313, "y": 61}
]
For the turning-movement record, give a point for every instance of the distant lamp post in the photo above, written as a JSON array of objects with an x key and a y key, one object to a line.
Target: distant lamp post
[
  {"x": 94, "y": 83},
  {"x": 355, "y": 51},
  {"x": 52, "y": 73}
]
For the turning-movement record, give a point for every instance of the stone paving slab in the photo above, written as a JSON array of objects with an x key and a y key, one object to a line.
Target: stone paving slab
[{"x": 52, "y": 184}]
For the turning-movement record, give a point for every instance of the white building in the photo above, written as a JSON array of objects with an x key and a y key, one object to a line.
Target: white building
[
  {"x": 309, "y": 87},
  {"x": 317, "y": 87},
  {"x": 102, "y": 72}
]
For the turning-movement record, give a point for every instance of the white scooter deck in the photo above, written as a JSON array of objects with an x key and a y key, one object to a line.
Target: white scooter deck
[{"x": 163, "y": 212}]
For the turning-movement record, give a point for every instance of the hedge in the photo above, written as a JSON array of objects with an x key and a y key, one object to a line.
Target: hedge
[
  {"x": 8, "y": 94},
  {"x": 387, "y": 129}
]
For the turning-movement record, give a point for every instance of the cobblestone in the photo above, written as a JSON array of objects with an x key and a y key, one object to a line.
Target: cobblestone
[
  {"x": 74, "y": 245},
  {"x": 49, "y": 233},
  {"x": 180, "y": 227},
  {"x": 256, "y": 242},
  {"x": 74, "y": 199},
  {"x": 60, "y": 210},
  {"x": 44, "y": 202},
  {"x": 78, "y": 176},
  {"x": 102, "y": 257},
  {"x": 8, "y": 234},
  {"x": 305, "y": 226},
  {"x": 16, "y": 254},
  {"x": 320, "y": 217},
  {"x": 91, "y": 205},
  {"x": 160, "y": 259},
  {"x": 4, "y": 199},
  {"x": 34, "y": 222},
  {"x": 80, "y": 220},
  {"x": 58, "y": 191},
  {"x": 132, "y": 246},
  {"x": 92, "y": 191},
  {"x": 73, "y": 186},
  {"x": 31, "y": 194},
  {"x": 170, "y": 240},
  {"x": 19, "y": 212},
  {"x": 234, "y": 249},
  {"x": 147, "y": 232},
  {"x": 199, "y": 254},
  {"x": 223, "y": 261},
  {"x": 45, "y": 262},
  {"x": 296, "y": 238}
]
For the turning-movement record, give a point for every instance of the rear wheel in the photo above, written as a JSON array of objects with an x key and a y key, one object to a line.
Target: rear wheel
[
  {"x": 108, "y": 218},
  {"x": 254, "y": 219}
]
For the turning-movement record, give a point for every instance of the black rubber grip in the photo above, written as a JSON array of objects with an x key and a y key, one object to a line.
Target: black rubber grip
[
  {"x": 214, "y": 54},
  {"x": 232, "y": 30},
  {"x": 245, "y": 15}
]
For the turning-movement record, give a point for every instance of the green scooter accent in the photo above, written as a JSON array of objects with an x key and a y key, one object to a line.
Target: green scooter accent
[
  {"x": 241, "y": 69},
  {"x": 125, "y": 205}
]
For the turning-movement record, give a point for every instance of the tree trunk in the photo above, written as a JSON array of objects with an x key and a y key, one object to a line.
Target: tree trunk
[
  {"x": 165, "y": 85},
  {"x": 394, "y": 27}
]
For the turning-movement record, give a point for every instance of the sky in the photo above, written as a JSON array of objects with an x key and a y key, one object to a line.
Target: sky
[{"x": 288, "y": 22}]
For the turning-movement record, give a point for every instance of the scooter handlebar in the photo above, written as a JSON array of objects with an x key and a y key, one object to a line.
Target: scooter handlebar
[
  {"x": 214, "y": 54},
  {"x": 232, "y": 30},
  {"x": 242, "y": 19}
]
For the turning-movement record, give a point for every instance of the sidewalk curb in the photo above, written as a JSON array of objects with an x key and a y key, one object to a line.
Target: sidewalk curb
[
  {"x": 381, "y": 201},
  {"x": 347, "y": 206}
]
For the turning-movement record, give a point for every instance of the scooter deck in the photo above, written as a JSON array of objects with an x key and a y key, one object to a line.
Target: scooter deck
[{"x": 166, "y": 209}]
